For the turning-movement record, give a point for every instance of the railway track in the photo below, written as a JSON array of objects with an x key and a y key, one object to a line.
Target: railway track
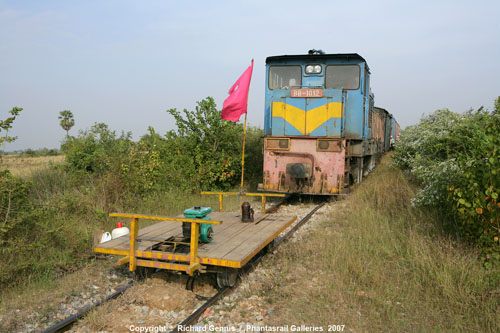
[
  {"x": 192, "y": 319},
  {"x": 68, "y": 322}
]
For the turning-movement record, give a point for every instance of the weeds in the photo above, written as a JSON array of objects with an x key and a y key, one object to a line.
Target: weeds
[
  {"x": 51, "y": 216},
  {"x": 380, "y": 264},
  {"x": 55, "y": 218},
  {"x": 454, "y": 159}
]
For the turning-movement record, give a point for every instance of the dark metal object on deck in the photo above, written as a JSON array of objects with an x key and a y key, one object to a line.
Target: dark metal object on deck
[
  {"x": 186, "y": 231},
  {"x": 247, "y": 212}
]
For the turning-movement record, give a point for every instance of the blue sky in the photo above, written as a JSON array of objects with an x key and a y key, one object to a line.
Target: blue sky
[{"x": 125, "y": 62}]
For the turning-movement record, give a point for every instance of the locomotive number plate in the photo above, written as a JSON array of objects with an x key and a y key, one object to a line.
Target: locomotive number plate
[{"x": 306, "y": 92}]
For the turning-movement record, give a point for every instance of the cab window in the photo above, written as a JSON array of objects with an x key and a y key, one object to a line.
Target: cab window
[
  {"x": 342, "y": 77},
  {"x": 284, "y": 77}
]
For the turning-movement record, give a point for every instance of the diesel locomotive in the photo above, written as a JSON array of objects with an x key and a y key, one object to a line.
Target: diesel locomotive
[{"x": 322, "y": 130}]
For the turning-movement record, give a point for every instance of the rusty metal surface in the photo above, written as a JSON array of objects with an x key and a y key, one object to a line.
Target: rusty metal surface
[
  {"x": 326, "y": 167},
  {"x": 378, "y": 126}
]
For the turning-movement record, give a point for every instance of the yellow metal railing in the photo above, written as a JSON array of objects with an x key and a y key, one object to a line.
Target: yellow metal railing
[
  {"x": 221, "y": 196},
  {"x": 194, "y": 260},
  {"x": 263, "y": 197}
]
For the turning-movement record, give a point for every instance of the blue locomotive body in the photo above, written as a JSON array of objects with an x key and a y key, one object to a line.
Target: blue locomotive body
[
  {"x": 341, "y": 111},
  {"x": 322, "y": 131}
]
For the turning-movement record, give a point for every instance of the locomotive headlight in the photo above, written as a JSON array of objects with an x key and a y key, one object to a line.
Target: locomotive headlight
[
  {"x": 278, "y": 144},
  {"x": 313, "y": 69},
  {"x": 328, "y": 145}
]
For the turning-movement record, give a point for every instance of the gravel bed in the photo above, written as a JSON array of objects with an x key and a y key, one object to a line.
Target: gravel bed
[
  {"x": 161, "y": 300},
  {"x": 46, "y": 309},
  {"x": 243, "y": 306}
]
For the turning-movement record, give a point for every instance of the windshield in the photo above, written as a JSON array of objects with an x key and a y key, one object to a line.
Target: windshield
[
  {"x": 342, "y": 77},
  {"x": 284, "y": 77}
]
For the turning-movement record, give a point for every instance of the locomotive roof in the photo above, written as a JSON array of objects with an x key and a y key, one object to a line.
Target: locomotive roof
[{"x": 344, "y": 56}]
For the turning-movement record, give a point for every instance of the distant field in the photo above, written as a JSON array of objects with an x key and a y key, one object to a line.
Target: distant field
[{"x": 24, "y": 166}]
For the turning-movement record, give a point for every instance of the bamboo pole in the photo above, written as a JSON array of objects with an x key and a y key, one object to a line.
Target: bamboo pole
[{"x": 243, "y": 152}]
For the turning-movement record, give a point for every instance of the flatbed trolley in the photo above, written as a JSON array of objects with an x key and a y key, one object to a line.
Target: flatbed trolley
[{"x": 163, "y": 245}]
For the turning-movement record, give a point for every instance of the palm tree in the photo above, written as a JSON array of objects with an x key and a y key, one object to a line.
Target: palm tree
[{"x": 66, "y": 120}]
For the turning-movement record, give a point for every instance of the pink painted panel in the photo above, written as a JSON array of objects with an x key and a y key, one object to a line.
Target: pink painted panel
[{"x": 327, "y": 168}]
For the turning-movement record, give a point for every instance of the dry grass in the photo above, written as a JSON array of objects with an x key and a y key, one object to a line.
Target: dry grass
[
  {"x": 23, "y": 166},
  {"x": 378, "y": 264}
]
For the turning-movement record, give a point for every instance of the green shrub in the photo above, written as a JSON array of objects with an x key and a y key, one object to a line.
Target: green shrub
[
  {"x": 97, "y": 150},
  {"x": 14, "y": 204},
  {"x": 454, "y": 157},
  {"x": 254, "y": 157},
  {"x": 203, "y": 153},
  {"x": 211, "y": 145},
  {"x": 47, "y": 224},
  {"x": 43, "y": 229}
]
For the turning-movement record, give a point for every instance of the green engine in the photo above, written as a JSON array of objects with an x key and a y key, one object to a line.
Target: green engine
[{"x": 197, "y": 212}]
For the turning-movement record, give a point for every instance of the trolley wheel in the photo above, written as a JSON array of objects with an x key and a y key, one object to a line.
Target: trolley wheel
[
  {"x": 269, "y": 247},
  {"x": 227, "y": 277},
  {"x": 142, "y": 273}
]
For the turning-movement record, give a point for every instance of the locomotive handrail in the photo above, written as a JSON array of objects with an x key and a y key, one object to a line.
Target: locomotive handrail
[{"x": 194, "y": 260}]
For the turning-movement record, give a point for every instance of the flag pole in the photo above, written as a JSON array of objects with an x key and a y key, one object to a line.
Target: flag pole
[{"x": 243, "y": 152}]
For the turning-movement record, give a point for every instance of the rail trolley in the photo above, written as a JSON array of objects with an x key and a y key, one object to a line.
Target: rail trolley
[{"x": 201, "y": 241}]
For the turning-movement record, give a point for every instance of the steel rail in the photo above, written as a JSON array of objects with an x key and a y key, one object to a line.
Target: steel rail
[
  {"x": 66, "y": 323},
  {"x": 193, "y": 317}
]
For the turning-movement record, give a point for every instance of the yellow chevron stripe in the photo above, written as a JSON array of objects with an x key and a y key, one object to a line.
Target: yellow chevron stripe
[{"x": 306, "y": 122}]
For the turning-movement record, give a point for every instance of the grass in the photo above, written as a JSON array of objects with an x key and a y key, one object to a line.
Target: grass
[
  {"x": 24, "y": 166},
  {"x": 67, "y": 216},
  {"x": 379, "y": 264},
  {"x": 376, "y": 264},
  {"x": 42, "y": 264}
]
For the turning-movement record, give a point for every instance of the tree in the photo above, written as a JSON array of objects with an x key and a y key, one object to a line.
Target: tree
[
  {"x": 210, "y": 145},
  {"x": 66, "y": 120},
  {"x": 6, "y": 124},
  {"x": 497, "y": 105}
]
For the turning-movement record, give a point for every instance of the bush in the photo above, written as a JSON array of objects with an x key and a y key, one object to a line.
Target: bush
[
  {"x": 204, "y": 153},
  {"x": 47, "y": 223},
  {"x": 36, "y": 239},
  {"x": 98, "y": 150},
  {"x": 212, "y": 146},
  {"x": 454, "y": 157},
  {"x": 14, "y": 204},
  {"x": 39, "y": 152}
]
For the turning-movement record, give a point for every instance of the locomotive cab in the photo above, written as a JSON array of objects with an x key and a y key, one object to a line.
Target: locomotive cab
[{"x": 316, "y": 121}]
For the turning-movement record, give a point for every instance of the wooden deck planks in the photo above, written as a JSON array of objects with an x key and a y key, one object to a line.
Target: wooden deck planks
[
  {"x": 240, "y": 235},
  {"x": 246, "y": 247},
  {"x": 233, "y": 229},
  {"x": 233, "y": 240},
  {"x": 122, "y": 243}
]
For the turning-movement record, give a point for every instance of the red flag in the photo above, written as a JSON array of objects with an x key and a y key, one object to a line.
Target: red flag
[{"x": 236, "y": 103}]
